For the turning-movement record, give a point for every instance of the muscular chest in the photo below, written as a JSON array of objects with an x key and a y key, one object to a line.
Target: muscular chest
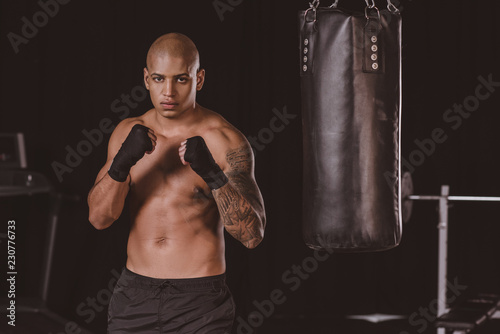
[{"x": 162, "y": 173}]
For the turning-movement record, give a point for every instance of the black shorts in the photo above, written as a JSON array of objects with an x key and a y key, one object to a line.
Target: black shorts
[{"x": 148, "y": 305}]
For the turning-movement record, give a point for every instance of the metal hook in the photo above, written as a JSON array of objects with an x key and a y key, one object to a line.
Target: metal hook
[
  {"x": 391, "y": 7},
  {"x": 314, "y": 4},
  {"x": 372, "y": 5},
  {"x": 366, "y": 13},
  {"x": 307, "y": 11},
  {"x": 334, "y": 5}
]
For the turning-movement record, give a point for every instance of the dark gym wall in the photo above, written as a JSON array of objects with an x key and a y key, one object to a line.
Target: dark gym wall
[{"x": 82, "y": 71}]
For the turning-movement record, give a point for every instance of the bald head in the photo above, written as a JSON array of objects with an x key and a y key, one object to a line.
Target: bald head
[{"x": 174, "y": 45}]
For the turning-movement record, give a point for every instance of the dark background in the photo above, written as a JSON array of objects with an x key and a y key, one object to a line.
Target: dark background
[{"x": 65, "y": 79}]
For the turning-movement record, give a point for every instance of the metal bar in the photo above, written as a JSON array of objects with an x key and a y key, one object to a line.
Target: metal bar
[
  {"x": 49, "y": 245},
  {"x": 443, "y": 249},
  {"x": 424, "y": 197},
  {"x": 454, "y": 198},
  {"x": 443, "y": 252},
  {"x": 474, "y": 198}
]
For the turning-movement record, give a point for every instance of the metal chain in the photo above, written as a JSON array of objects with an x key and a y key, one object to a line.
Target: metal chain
[
  {"x": 372, "y": 5},
  {"x": 369, "y": 3},
  {"x": 314, "y": 4}
]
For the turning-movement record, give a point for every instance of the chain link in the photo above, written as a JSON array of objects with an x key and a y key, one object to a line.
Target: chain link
[
  {"x": 314, "y": 4},
  {"x": 369, "y": 3},
  {"x": 372, "y": 5},
  {"x": 391, "y": 7}
]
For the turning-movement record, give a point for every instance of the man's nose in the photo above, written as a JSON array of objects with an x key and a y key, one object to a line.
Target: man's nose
[{"x": 168, "y": 88}]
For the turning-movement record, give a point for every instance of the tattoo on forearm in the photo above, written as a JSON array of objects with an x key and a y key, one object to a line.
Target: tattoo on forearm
[{"x": 239, "y": 199}]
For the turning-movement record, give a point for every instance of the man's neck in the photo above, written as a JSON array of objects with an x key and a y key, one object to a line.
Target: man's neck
[{"x": 169, "y": 126}]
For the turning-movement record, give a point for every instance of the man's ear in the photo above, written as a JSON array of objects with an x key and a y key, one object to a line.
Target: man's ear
[
  {"x": 200, "y": 79},
  {"x": 146, "y": 77}
]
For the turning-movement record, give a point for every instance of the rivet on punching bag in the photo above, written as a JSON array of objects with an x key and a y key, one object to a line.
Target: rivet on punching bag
[{"x": 350, "y": 71}]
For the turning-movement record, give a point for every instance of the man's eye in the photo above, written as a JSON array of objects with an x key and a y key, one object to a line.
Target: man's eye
[
  {"x": 182, "y": 79},
  {"x": 157, "y": 79}
]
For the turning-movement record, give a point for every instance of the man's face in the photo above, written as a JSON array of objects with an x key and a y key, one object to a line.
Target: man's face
[{"x": 172, "y": 83}]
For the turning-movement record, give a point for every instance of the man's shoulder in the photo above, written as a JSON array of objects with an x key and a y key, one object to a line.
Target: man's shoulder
[
  {"x": 220, "y": 132},
  {"x": 123, "y": 128},
  {"x": 225, "y": 142}
]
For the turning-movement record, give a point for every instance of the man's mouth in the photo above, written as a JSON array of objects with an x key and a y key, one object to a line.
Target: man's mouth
[{"x": 169, "y": 104}]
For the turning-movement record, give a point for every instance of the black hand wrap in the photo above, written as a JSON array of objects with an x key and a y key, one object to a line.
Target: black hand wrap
[
  {"x": 202, "y": 162},
  {"x": 133, "y": 149}
]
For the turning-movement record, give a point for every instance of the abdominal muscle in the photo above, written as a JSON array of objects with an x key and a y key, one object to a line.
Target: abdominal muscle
[
  {"x": 176, "y": 231},
  {"x": 175, "y": 234}
]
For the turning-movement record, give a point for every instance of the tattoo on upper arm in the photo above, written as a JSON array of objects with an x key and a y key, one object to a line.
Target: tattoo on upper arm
[
  {"x": 240, "y": 159},
  {"x": 239, "y": 200}
]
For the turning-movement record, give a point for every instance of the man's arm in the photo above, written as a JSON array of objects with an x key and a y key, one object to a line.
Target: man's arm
[
  {"x": 234, "y": 188},
  {"x": 239, "y": 201},
  {"x": 107, "y": 197}
]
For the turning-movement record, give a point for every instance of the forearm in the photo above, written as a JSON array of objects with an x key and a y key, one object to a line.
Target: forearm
[
  {"x": 244, "y": 222},
  {"x": 106, "y": 200}
]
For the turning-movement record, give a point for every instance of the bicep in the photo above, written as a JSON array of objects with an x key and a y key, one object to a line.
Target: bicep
[
  {"x": 240, "y": 159},
  {"x": 235, "y": 157}
]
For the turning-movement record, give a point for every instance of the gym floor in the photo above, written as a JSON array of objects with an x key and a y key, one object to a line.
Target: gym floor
[{"x": 36, "y": 323}]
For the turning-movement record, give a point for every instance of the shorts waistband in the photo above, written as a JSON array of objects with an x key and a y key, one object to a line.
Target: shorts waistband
[{"x": 134, "y": 279}]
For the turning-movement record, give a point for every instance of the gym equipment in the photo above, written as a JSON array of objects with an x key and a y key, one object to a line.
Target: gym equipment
[
  {"x": 465, "y": 317},
  {"x": 16, "y": 181},
  {"x": 350, "y": 71}
]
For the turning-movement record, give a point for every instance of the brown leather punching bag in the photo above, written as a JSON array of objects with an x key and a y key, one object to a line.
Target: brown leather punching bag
[{"x": 350, "y": 71}]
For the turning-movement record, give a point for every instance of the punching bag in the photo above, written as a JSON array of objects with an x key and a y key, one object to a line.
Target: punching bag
[{"x": 350, "y": 75}]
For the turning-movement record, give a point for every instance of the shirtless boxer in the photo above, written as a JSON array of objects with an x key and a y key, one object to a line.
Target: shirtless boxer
[{"x": 189, "y": 174}]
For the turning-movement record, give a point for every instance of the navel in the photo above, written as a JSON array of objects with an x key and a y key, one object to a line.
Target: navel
[{"x": 161, "y": 240}]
